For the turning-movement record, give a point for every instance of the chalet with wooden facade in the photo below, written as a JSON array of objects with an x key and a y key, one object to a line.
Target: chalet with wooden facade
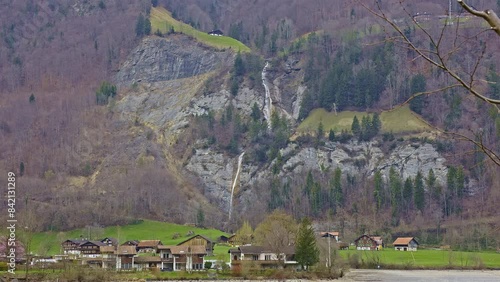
[
  {"x": 91, "y": 248},
  {"x": 72, "y": 247},
  {"x": 405, "y": 244},
  {"x": 148, "y": 246},
  {"x": 263, "y": 257},
  {"x": 189, "y": 255},
  {"x": 147, "y": 262},
  {"x": 330, "y": 234},
  {"x": 368, "y": 243},
  {"x": 216, "y": 32},
  {"x": 108, "y": 255},
  {"x": 131, "y": 243},
  {"x": 183, "y": 257},
  {"x": 199, "y": 240},
  {"x": 125, "y": 257}
]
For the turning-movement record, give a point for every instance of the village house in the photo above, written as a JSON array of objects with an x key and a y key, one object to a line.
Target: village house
[
  {"x": 125, "y": 257},
  {"x": 109, "y": 241},
  {"x": 368, "y": 243},
  {"x": 224, "y": 239},
  {"x": 71, "y": 247},
  {"x": 262, "y": 257},
  {"x": 91, "y": 249},
  {"x": 216, "y": 32},
  {"x": 108, "y": 257},
  {"x": 107, "y": 254},
  {"x": 131, "y": 243},
  {"x": 199, "y": 240},
  {"x": 182, "y": 257},
  {"x": 330, "y": 234},
  {"x": 405, "y": 244},
  {"x": 147, "y": 262},
  {"x": 148, "y": 246}
]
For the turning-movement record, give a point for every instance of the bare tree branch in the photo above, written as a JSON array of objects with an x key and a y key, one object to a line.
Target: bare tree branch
[
  {"x": 440, "y": 64},
  {"x": 489, "y": 15},
  {"x": 436, "y": 56}
]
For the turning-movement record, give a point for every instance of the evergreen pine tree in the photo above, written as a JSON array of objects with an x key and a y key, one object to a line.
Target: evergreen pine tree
[
  {"x": 396, "y": 197},
  {"x": 355, "y": 127},
  {"x": 147, "y": 26},
  {"x": 139, "y": 26},
  {"x": 306, "y": 250},
  {"x": 338, "y": 193},
  {"x": 309, "y": 184},
  {"x": 255, "y": 112},
  {"x": 408, "y": 192},
  {"x": 376, "y": 124},
  {"x": 377, "y": 193},
  {"x": 200, "y": 217},
  {"x": 431, "y": 184},
  {"x": 419, "y": 197},
  {"x": 331, "y": 135},
  {"x": 21, "y": 169}
]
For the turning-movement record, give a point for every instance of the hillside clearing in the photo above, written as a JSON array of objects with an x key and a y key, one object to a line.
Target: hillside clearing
[
  {"x": 162, "y": 20},
  {"x": 400, "y": 120}
]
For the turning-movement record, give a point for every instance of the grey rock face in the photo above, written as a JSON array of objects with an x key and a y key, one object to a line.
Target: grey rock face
[
  {"x": 410, "y": 158},
  {"x": 160, "y": 59}
]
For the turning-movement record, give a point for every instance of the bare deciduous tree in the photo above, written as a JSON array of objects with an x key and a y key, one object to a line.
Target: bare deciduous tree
[{"x": 454, "y": 50}]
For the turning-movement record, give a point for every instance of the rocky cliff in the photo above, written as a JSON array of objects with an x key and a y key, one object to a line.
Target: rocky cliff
[
  {"x": 164, "y": 81},
  {"x": 161, "y": 59}
]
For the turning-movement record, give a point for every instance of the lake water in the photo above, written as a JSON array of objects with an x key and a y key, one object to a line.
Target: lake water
[{"x": 422, "y": 275}]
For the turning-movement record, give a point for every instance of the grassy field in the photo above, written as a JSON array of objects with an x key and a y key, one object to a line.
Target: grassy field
[
  {"x": 400, "y": 120},
  {"x": 49, "y": 242},
  {"x": 424, "y": 258},
  {"x": 162, "y": 20}
]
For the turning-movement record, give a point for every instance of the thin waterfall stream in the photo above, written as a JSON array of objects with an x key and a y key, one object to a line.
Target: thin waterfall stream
[
  {"x": 236, "y": 177},
  {"x": 268, "y": 102}
]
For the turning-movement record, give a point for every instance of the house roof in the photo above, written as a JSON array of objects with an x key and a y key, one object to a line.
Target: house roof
[
  {"x": 146, "y": 259},
  {"x": 110, "y": 241},
  {"x": 201, "y": 236},
  {"x": 96, "y": 243},
  {"x": 375, "y": 238},
  {"x": 126, "y": 250},
  {"x": 149, "y": 243},
  {"x": 216, "y": 31},
  {"x": 254, "y": 250},
  {"x": 107, "y": 249},
  {"x": 329, "y": 233},
  {"x": 404, "y": 240},
  {"x": 181, "y": 250},
  {"x": 76, "y": 241},
  {"x": 131, "y": 243}
]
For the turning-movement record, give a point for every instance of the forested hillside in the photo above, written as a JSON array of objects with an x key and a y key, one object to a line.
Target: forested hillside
[{"x": 116, "y": 110}]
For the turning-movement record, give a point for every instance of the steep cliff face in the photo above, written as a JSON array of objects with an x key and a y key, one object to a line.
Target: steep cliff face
[
  {"x": 161, "y": 59},
  {"x": 165, "y": 83},
  {"x": 358, "y": 159}
]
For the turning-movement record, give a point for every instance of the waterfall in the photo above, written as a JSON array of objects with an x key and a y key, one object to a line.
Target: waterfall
[
  {"x": 268, "y": 102},
  {"x": 236, "y": 177}
]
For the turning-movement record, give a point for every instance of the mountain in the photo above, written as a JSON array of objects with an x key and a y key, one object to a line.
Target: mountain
[{"x": 200, "y": 124}]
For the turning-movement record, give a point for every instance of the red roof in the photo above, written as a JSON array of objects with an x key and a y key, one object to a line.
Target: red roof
[{"x": 404, "y": 241}]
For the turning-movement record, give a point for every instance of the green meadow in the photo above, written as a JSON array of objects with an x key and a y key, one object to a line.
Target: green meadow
[
  {"x": 426, "y": 258},
  {"x": 162, "y": 20},
  {"x": 399, "y": 120},
  {"x": 48, "y": 243}
]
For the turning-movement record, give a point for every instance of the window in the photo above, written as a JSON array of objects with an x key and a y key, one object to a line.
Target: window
[{"x": 267, "y": 257}]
